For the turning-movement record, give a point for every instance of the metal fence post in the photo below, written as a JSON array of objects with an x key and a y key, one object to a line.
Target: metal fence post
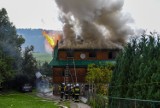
[{"x": 135, "y": 104}]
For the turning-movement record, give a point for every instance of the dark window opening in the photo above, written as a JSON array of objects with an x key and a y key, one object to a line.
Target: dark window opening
[
  {"x": 70, "y": 53},
  {"x": 92, "y": 54},
  {"x": 66, "y": 72},
  {"x": 62, "y": 73},
  {"x": 110, "y": 55}
]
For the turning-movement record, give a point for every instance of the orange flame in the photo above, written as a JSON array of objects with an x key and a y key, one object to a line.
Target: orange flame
[{"x": 51, "y": 38}]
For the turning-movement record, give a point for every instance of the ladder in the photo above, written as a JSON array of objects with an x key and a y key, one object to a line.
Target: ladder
[
  {"x": 75, "y": 70},
  {"x": 67, "y": 72}
]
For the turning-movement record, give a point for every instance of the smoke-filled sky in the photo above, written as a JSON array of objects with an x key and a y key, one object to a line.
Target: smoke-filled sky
[{"x": 44, "y": 13}]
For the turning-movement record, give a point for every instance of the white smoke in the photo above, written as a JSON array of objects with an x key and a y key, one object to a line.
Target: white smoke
[{"x": 94, "y": 23}]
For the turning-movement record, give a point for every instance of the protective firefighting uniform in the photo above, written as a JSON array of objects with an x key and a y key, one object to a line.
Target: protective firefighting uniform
[
  {"x": 67, "y": 92},
  {"x": 62, "y": 88},
  {"x": 76, "y": 93},
  {"x": 72, "y": 92}
]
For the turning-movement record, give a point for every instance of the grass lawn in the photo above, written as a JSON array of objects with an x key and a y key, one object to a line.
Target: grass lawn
[{"x": 24, "y": 100}]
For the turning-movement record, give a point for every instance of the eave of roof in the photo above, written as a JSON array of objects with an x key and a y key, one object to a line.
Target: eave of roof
[
  {"x": 59, "y": 63},
  {"x": 65, "y": 49}
]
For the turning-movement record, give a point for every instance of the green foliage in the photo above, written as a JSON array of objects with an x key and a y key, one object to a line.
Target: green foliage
[
  {"x": 45, "y": 69},
  {"x": 137, "y": 70},
  {"x": 6, "y": 71},
  {"x": 20, "y": 80},
  {"x": 99, "y": 77},
  {"x": 10, "y": 48},
  {"x": 29, "y": 64},
  {"x": 98, "y": 101}
]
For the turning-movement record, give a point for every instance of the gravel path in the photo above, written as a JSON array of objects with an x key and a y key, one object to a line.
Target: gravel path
[
  {"x": 56, "y": 99},
  {"x": 79, "y": 105}
]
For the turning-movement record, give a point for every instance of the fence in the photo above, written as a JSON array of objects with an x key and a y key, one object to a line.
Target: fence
[
  {"x": 115, "y": 102},
  {"x": 98, "y": 101}
]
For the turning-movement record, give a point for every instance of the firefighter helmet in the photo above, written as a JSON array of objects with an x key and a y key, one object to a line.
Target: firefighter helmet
[
  {"x": 68, "y": 84},
  {"x": 77, "y": 84}
]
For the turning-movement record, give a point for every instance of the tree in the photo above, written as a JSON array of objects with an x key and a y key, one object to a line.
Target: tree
[
  {"x": 46, "y": 69},
  {"x": 29, "y": 64},
  {"x": 10, "y": 48},
  {"x": 29, "y": 67},
  {"x": 137, "y": 72},
  {"x": 6, "y": 68},
  {"x": 99, "y": 76}
]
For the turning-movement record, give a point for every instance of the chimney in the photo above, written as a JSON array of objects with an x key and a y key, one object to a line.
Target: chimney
[{"x": 55, "y": 51}]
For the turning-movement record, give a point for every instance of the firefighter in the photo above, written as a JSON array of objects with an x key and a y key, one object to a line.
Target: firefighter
[
  {"x": 72, "y": 91},
  {"x": 62, "y": 88},
  {"x": 76, "y": 93},
  {"x": 67, "y": 92}
]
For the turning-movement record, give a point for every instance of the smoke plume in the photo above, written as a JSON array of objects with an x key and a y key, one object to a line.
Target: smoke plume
[{"x": 94, "y": 23}]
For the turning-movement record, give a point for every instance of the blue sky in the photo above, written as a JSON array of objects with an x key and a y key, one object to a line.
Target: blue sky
[{"x": 44, "y": 13}]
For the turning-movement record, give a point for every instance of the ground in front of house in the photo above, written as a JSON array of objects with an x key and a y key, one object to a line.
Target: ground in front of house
[{"x": 24, "y": 100}]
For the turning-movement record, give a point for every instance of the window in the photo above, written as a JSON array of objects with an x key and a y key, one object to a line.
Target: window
[
  {"x": 62, "y": 73},
  {"x": 70, "y": 53},
  {"x": 66, "y": 72},
  {"x": 110, "y": 55},
  {"x": 92, "y": 54}
]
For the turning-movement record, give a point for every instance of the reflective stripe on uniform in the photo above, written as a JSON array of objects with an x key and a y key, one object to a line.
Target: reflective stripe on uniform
[
  {"x": 76, "y": 94},
  {"x": 76, "y": 89}
]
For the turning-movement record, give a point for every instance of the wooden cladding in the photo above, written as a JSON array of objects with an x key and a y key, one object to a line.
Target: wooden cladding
[
  {"x": 62, "y": 55},
  {"x": 60, "y": 71},
  {"x": 79, "y": 54},
  {"x": 58, "y": 74},
  {"x": 58, "y": 80},
  {"x": 87, "y": 55}
]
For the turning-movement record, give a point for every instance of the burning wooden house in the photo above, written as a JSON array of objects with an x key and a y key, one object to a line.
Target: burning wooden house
[
  {"x": 70, "y": 65},
  {"x": 98, "y": 30}
]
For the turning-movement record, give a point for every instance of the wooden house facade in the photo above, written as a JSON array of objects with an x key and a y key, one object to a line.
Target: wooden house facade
[{"x": 70, "y": 65}]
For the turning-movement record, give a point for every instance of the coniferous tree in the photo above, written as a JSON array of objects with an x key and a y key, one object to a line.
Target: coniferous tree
[
  {"x": 137, "y": 69},
  {"x": 10, "y": 48},
  {"x": 29, "y": 64}
]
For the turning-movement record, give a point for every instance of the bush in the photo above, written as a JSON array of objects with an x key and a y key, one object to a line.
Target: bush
[{"x": 98, "y": 101}]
